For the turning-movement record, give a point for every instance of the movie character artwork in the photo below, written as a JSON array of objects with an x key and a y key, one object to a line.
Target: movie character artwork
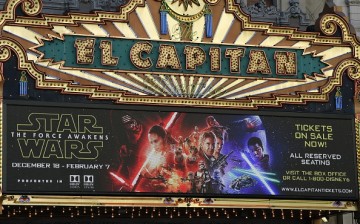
[{"x": 190, "y": 153}]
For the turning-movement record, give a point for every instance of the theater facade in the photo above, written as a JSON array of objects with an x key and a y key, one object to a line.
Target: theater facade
[{"x": 176, "y": 109}]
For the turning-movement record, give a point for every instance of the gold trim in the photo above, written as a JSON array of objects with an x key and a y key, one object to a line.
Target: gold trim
[
  {"x": 38, "y": 200},
  {"x": 357, "y": 145},
  {"x": 253, "y": 102},
  {"x": 183, "y": 18},
  {"x": 329, "y": 26}
]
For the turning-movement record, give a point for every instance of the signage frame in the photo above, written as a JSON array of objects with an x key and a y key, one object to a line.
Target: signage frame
[{"x": 170, "y": 109}]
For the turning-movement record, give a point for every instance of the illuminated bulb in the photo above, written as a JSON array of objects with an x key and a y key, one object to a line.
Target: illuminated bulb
[
  {"x": 146, "y": 211},
  {"x": 171, "y": 216},
  {"x": 133, "y": 209},
  {"x": 152, "y": 215},
  {"x": 214, "y": 209},
  {"x": 206, "y": 212},
  {"x": 217, "y": 214},
  {"x": 209, "y": 216},
  {"x": 112, "y": 209},
  {"x": 178, "y": 213},
  {"x": 132, "y": 215},
  {"x": 72, "y": 215},
  {"x": 105, "y": 211},
  {"x": 228, "y": 216},
  {"x": 166, "y": 211},
  {"x": 51, "y": 215},
  {"x": 186, "y": 211},
  {"x": 139, "y": 214},
  {"x": 112, "y": 215},
  {"x": 154, "y": 209},
  {"x": 225, "y": 212},
  {"x": 159, "y": 213},
  {"x": 197, "y": 214},
  {"x": 190, "y": 216},
  {"x": 92, "y": 215},
  {"x": 236, "y": 214}
]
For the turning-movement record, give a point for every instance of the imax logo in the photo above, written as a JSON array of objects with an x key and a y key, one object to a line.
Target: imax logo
[
  {"x": 88, "y": 178},
  {"x": 74, "y": 178}
]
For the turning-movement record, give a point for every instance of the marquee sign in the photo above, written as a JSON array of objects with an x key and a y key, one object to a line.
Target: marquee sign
[
  {"x": 67, "y": 149},
  {"x": 86, "y": 53},
  {"x": 198, "y": 53}
]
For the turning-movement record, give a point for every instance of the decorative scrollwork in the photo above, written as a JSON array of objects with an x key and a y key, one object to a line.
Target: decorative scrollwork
[
  {"x": 352, "y": 66},
  {"x": 7, "y": 46},
  {"x": 5, "y": 53},
  {"x": 32, "y": 7},
  {"x": 329, "y": 24},
  {"x": 29, "y": 7},
  {"x": 185, "y": 18}
]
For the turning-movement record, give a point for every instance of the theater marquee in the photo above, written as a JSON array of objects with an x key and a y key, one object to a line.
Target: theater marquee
[
  {"x": 161, "y": 52},
  {"x": 190, "y": 61},
  {"x": 83, "y": 151}
]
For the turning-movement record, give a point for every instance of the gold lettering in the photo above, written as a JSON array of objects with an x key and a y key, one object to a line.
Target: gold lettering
[
  {"x": 234, "y": 54},
  {"x": 285, "y": 63},
  {"x": 258, "y": 62},
  {"x": 215, "y": 59},
  {"x": 84, "y": 50},
  {"x": 106, "y": 54},
  {"x": 195, "y": 56},
  {"x": 135, "y": 55},
  {"x": 168, "y": 57}
]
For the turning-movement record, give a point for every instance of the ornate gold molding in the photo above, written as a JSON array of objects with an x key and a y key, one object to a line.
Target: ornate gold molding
[{"x": 330, "y": 23}]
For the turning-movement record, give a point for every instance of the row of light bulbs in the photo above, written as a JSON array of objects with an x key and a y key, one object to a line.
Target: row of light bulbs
[{"x": 154, "y": 212}]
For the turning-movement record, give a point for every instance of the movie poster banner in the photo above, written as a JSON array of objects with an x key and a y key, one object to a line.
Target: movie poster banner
[{"x": 91, "y": 151}]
